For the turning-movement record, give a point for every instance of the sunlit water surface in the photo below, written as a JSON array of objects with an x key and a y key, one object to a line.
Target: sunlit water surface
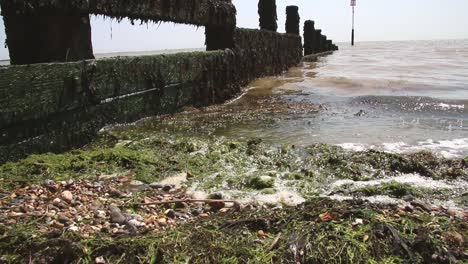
[{"x": 392, "y": 96}]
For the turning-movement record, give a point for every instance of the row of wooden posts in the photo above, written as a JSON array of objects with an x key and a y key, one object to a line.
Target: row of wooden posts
[{"x": 314, "y": 41}]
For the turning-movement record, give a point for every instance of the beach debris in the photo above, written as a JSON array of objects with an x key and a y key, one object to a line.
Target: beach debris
[
  {"x": 274, "y": 245},
  {"x": 261, "y": 234},
  {"x": 100, "y": 260},
  {"x": 358, "y": 221},
  {"x": 327, "y": 217}
]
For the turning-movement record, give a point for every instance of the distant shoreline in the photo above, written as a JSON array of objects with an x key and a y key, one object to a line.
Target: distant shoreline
[{"x": 6, "y": 62}]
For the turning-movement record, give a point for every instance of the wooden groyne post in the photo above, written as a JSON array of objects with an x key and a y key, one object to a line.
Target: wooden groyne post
[
  {"x": 44, "y": 31},
  {"x": 309, "y": 37},
  {"x": 293, "y": 20},
  {"x": 268, "y": 16},
  {"x": 46, "y": 36},
  {"x": 323, "y": 43},
  {"x": 219, "y": 37},
  {"x": 317, "y": 43},
  {"x": 329, "y": 45}
]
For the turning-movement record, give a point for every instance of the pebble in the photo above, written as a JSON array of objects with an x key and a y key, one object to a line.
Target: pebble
[
  {"x": 116, "y": 215},
  {"x": 261, "y": 234},
  {"x": 408, "y": 198},
  {"x": 156, "y": 185},
  {"x": 74, "y": 228},
  {"x": 167, "y": 188},
  {"x": 67, "y": 196},
  {"x": 197, "y": 211},
  {"x": 136, "y": 223},
  {"x": 216, "y": 206},
  {"x": 15, "y": 214},
  {"x": 181, "y": 205},
  {"x": 56, "y": 224},
  {"x": 116, "y": 193},
  {"x": 358, "y": 221},
  {"x": 215, "y": 196},
  {"x": 170, "y": 213},
  {"x": 63, "y": 219},
  {"x": 136, "y": 183},
  {"x": 425, "y": 206},
  {"x": 224, "y": 210},
  {"x": 51, "y": 185},
  {"x": 11, "y": 222},
  {"x": 56, "y": 201},
  {"x": 162, "y": 221},
  {"x": 100, "y": 260},
  {"x": 455, "y": 213}
]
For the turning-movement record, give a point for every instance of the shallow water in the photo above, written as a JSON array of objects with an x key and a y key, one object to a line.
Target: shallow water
[{"x": 392, "y": 96}]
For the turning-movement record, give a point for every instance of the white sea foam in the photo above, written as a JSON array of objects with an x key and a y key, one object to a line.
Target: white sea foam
[
  {"x": 411, "y": 179},
  {"x": 454, "y": 148},
  {"x": 354, "y": 146},
  {"x": 449, "y": 106},
  {"x": 377, "y": 199},
  {"x": 283, "y": 197},
  {"x": 440, "y": 106}
]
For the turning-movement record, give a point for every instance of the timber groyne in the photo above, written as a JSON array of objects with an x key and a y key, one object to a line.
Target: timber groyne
[{"x": 56, "y": 96}]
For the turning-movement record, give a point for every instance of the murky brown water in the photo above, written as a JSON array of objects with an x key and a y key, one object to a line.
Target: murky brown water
[
  {"x": 391, "y": 96},
  {"x": 395, "y": 96}
]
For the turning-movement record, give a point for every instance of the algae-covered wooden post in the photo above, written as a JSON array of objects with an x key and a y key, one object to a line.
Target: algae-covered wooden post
[
  {"x": 293, "y": 20},
  {"x": 45, "y": 35},
  {"x": 323, "y": 43},
  {"x": 317, "y": 44},
  {"x": 309, "y": 37},
  {"x": 329, "y": 45},
  {"x": 268, "y": 15},
  {"x": 219, "y": 38}
]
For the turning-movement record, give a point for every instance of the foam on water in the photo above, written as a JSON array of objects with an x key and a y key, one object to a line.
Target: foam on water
[
  {"x": 454, "y": 148},
  {"x": 377, "y": 199},
  {"x": 411, "y": 179},
  {"x": 282, "y": 197},
  {"x": 415, "y": 180},
  {"x": 176, "y": 180}
]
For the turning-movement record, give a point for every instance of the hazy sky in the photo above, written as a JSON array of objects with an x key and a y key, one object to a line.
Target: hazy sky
[{"x": 375, "y": 20}]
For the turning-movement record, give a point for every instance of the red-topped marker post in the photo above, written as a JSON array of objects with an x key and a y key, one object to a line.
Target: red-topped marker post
[{"x": 353, "y": 4}]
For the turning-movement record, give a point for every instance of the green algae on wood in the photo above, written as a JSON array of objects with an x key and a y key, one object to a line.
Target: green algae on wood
[
  {"x": 66, "y": 104},
  {"x": 194, "y": 12}
]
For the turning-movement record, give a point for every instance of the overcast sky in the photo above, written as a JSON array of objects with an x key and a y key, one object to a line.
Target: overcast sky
[{"x": 375, "y": 20}]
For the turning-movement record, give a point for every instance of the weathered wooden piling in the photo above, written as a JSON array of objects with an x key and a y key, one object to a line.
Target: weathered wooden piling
[
  {"x": 317, "y": 43},
  {"x": 329, "y": 45},
  {"x": 47, "y": 36},
  {"x": 268, "y": 15},
  {"x": 219, "y": 38},
  {"x": 323, "y": 43},
  {"x": 293, "y": 20},
  {"x": 309, "y": 37}
]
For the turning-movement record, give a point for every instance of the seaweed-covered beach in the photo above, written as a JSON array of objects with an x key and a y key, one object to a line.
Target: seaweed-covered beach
[{"x": 207, "y": 185}]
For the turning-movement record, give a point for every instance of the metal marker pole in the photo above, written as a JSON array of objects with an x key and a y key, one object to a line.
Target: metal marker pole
[{"x": 352, "y": 32}]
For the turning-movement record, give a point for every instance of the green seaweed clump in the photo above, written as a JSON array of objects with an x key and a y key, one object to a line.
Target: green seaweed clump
[
  {"x": 393, "y": 189},
  {"x": 262, "y": 182}
]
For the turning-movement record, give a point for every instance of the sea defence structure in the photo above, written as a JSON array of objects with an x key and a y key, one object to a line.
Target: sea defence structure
[
  {"x": 314, "y": 41},
  {"x": 56, "y": 96},
  {"x": 292, "y": 20}
]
